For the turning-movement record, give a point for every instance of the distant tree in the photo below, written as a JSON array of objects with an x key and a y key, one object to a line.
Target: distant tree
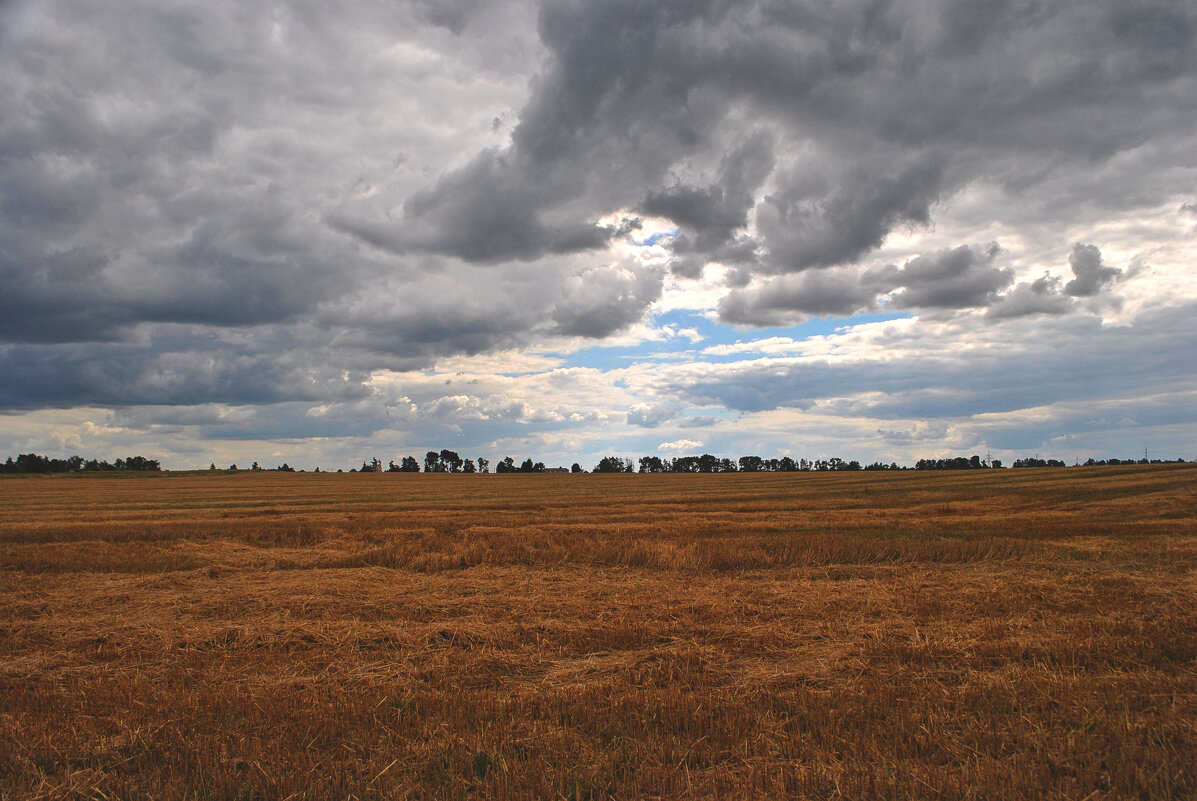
[
  {"x": 408, "y": 464},
  {"x": 683, "y": 464},
  {"x": 35, "y": 463},
  {"x": 432, "y": 462},
  {"x": 212, "y": 466},
  {"x": 285, "y": 468},
  {"x": 973, "y": 462},
  {"x": 614, "y": 464},
  {"x": 527, "y": 466},
  {"x": 577, "y": 468},
  {"x": 449, "y": 461},
  {"x": 1037, "y": 462},
  {"x": 751, "y": 464},
  {"x": 483, "y": 465},
  {"x": 505, "y": 465},
  {"x": 233, "y": 467},
  {"x": 468, "y": 466},
  {"x": 653, "y": 464}
]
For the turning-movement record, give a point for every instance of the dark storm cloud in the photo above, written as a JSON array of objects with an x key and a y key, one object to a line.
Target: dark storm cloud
[
  {"x": 881, "y": 111},
  {"x": 52, "y": 296},
  {"x": 1092, "y": 274},
  {"x": 306, "y": 190},
  {"x": 572, "y": 155},
  {"x": 176, "y": 170},
  {"x": 142, "y": 174},
  {"x": 819, "y": 219},
  {"x": 716, "y": 212},
  {"x": 487, "y": 211}
]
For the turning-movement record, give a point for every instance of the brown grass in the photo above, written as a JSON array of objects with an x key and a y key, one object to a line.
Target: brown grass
[{"x": 998, "y": 634}]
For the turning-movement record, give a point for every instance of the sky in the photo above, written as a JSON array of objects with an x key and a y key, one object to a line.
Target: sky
[{"x": 318, "y": 233}]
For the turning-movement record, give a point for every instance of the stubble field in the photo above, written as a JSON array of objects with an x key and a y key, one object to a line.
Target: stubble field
[{"x": 985, "y": 634}]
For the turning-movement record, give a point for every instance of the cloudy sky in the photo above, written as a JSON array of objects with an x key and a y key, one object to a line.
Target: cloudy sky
[{"x": 873, "y": 229}]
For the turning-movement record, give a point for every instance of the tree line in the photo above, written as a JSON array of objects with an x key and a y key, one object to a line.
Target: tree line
[
  {"x": 34, "y": 463},
  {"x": 448, "y": 461}
]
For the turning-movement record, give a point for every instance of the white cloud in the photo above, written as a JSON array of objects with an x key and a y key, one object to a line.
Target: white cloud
[{"x": 679, "y": 445}]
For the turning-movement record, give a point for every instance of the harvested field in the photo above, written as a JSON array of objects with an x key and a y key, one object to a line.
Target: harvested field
[{"x": 978, "y": 634}]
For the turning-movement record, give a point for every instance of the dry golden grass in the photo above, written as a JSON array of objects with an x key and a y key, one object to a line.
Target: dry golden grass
[{"x": 997, "y": 634}]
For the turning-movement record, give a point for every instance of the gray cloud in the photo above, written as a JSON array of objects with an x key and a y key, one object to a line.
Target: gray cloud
[
  {"x": 604, "y": 300},
  {"x": 823, "y": 218},
  {"x": 487, "y": 211},
  {"x": 959, "y": 278},
  {"x": 1041, "y": 296},
  {"x": 700, "y": 421},
  {"x": 180, "y": 368},
  {"x": 883, "y": 111},
  {"x": 1007, "y": 366},
  {"x": 956, "y": 278},
  {"x": 717, "y": 212},
  {"x": 786, "y": 300},
  {"x": 650, "y": 416},
  {"x": 296, "y": 421},
  {"x": 1092, "y": 274}
]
